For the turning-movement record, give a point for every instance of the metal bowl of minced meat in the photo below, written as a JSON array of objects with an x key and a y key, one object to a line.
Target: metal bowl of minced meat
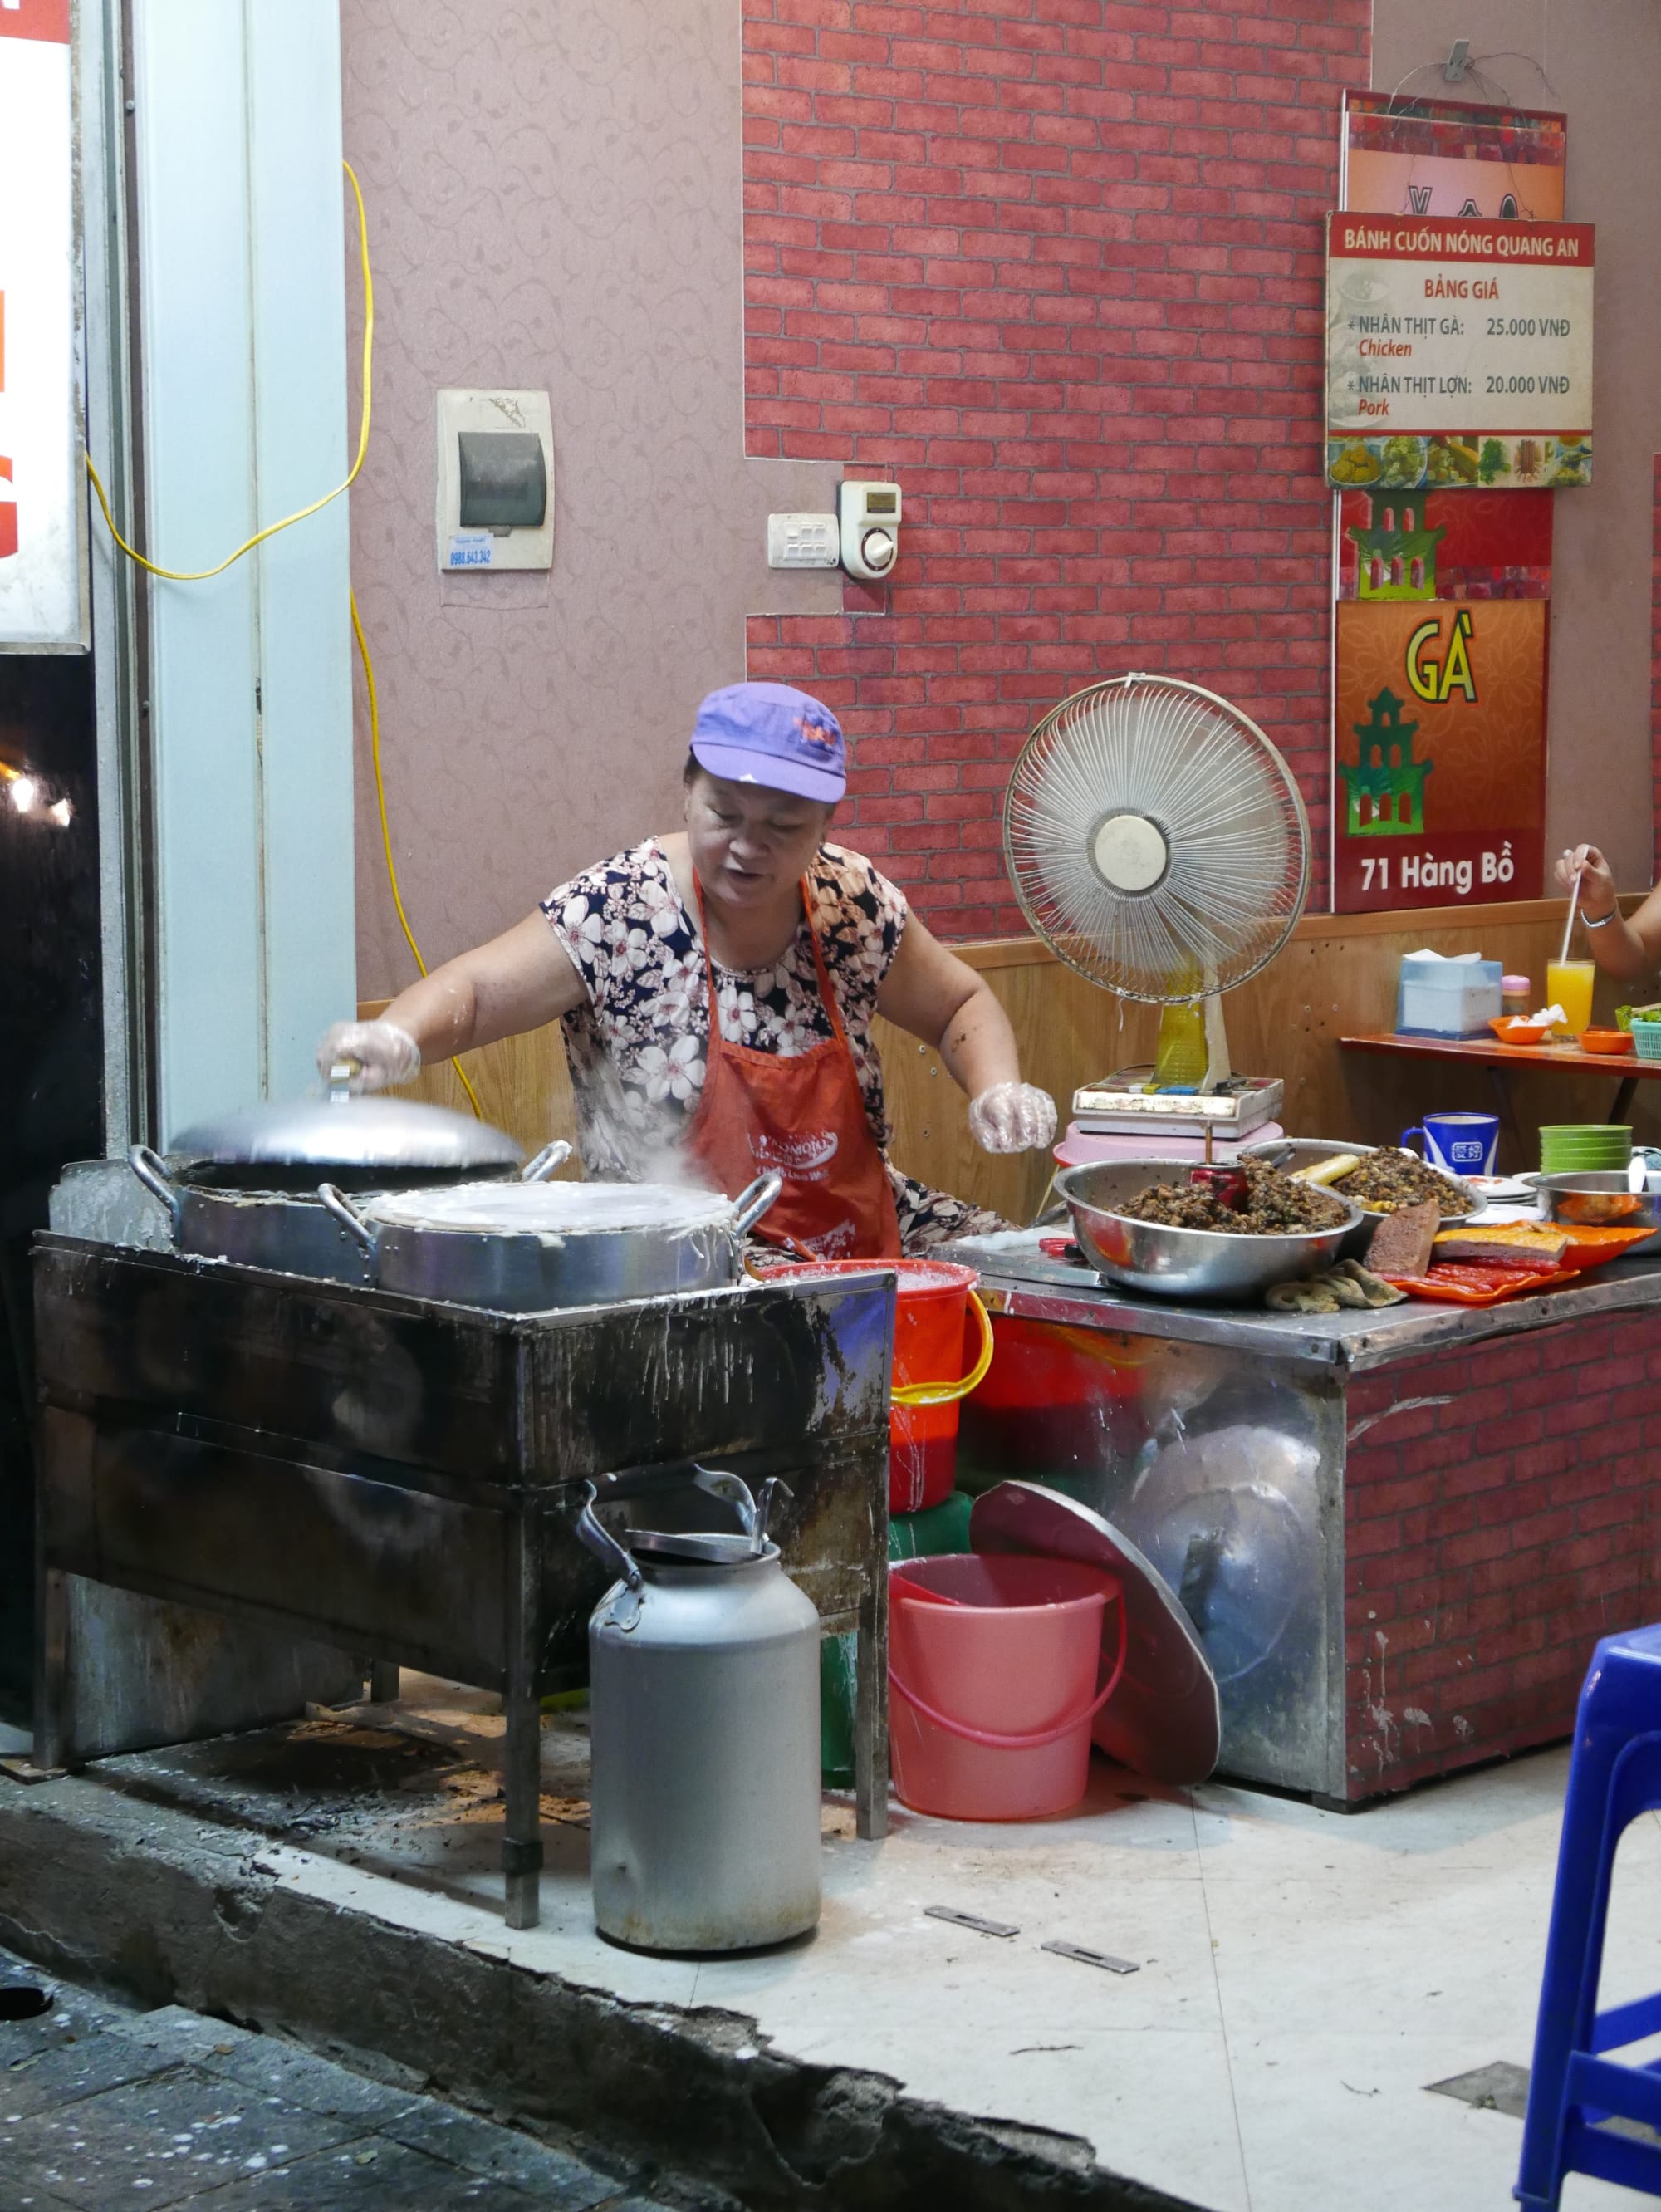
[
  {"x": 1169, "y": 1260},
  {"x": 1384, "y": 1176}
]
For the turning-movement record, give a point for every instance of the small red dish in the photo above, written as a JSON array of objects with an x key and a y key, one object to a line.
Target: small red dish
[
  {"x": 1510, "y": 1029},
  {"x": 1609, "y": 1042}
]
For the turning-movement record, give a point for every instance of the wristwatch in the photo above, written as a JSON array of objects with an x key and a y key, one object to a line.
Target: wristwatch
[{"x": 1603, "y": 921}]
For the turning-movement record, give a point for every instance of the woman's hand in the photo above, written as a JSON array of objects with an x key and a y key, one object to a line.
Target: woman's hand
[
  {"x": 1013, "y": 1117},
  {"x": 380, "y": 1053},
  {"x": 1597, "y": 882},
  {"x": 517, "y": 981},
  {"x": 940, "y": 998}
]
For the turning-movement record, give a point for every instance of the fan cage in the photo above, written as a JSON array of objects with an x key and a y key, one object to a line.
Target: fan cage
[{"x": 1199, "y": 960}]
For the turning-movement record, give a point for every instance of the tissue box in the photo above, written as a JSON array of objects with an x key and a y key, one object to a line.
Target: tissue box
[{"x": 1440, "y": 998}]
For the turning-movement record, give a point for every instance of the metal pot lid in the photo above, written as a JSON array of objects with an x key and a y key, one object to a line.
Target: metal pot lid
[
  {"x": 1165, "y": 1719},
  {"x": 390, "y": 1133},
  {"x": 552, "y": 1209}
]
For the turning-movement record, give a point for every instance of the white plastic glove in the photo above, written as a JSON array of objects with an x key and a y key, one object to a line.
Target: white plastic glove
[
  {"x": 1013, "y": 1117},
  {"x": 385, "y": 1054}
]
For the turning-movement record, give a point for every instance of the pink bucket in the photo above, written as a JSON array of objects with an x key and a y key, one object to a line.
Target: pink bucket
[{"x": 992, "y": 1667}]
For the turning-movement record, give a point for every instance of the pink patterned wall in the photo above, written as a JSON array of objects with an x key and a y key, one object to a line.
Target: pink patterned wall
[{"x": 554, "y": 201}]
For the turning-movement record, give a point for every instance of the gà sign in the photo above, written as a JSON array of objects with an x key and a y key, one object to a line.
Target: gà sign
[
  {"x": 1439, "y": 752},
  {"x": 43, "y": 505}
]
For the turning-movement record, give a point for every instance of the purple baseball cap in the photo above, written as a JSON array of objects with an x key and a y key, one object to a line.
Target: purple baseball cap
[{"x": 774, "y": 735}]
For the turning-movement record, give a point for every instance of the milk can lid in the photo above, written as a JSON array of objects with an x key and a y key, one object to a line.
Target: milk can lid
[{"x": 698, "y": 1547}]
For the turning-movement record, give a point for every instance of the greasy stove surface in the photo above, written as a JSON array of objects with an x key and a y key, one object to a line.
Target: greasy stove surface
[{"x": 1018, "y": 1276}]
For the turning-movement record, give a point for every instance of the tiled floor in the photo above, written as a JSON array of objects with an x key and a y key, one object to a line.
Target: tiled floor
[
  {"x": 102, "y": 2106},
  {"x": 1303, "y": 1976}
]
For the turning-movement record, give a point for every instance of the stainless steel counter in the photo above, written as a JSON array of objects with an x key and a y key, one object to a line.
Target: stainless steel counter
[
  {"x": 1018, "y": 1277},
  {"x": 1376, "y": 1607}
]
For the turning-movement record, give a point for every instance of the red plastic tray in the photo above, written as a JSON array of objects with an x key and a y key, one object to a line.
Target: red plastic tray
[{"x": 1452, "y": 1283}]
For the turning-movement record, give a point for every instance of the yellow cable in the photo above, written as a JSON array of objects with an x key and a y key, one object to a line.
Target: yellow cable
[
  {"x": 200, "y": 576},
  {"x": 386, "y": 834}
]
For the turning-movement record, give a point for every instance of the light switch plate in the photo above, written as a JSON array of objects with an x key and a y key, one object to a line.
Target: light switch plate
[
  {"x": 462, "y": 408},
  {"x": 802, "y": 541}
]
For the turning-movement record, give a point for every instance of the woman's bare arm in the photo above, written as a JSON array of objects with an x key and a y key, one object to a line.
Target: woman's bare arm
[
  {"x": 517, "y": 981},
  {"x": 940, "y": 998}
]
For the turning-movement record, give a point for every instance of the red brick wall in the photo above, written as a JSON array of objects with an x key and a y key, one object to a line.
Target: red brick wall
[
  {"x": 1491, "y": 1540},
  {"x": 1057, "y": 267}
]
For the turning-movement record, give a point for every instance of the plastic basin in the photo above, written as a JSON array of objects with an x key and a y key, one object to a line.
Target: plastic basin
[{"x": 991, "y": 1695}]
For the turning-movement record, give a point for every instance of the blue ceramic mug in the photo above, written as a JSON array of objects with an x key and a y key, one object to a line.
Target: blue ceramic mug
[{"x": 1459, "y": 1144}]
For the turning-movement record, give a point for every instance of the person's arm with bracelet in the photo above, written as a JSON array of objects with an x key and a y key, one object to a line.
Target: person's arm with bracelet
[{"x": 1626, "y": 947}]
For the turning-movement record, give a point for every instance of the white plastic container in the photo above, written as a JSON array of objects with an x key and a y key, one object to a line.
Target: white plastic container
[{"x": 1441, "y": 998}]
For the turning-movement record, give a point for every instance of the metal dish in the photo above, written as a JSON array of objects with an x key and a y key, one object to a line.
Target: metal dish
[
  {"x": 695, "y": 1244},
  {"x": 1598, "y": 1199},
  {"x": 1187, "y": 1263},
  {"x": 1293, "y": 1153}
]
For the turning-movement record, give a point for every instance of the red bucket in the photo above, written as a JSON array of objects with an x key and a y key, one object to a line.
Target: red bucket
[
  {"x": 932, "y": 1308},
  {"x": 992, "y": 1667}
]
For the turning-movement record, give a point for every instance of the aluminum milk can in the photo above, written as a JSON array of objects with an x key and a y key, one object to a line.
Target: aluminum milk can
[{"x": 704, "y": 1726}]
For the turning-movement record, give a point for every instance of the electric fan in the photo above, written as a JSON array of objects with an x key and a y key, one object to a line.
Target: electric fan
[{"x": 1157, "y": 844}]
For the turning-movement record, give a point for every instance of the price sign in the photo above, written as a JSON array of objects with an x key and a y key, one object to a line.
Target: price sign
[
  {"x": 43, "y": 501},
  {"x": 1458, "y": 352}
]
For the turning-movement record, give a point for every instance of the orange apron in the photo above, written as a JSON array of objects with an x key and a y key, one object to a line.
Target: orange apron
[{"x": 804, "y": 1114}]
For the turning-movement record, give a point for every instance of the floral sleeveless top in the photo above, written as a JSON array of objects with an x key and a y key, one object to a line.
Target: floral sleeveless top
[{"x": 637, "y": 1049}]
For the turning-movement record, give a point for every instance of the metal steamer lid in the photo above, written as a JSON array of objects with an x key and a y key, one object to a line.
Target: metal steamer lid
[
  {"x": 1165, "y": 1719},
  {"x": 386, "y": 1134}
]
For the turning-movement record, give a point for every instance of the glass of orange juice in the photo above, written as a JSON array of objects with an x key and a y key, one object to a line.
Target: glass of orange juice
[{"x": 1568, "y": 985}]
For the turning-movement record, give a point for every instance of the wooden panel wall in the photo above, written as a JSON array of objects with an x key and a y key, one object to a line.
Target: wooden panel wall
[{"x": 1337, "y": 976}]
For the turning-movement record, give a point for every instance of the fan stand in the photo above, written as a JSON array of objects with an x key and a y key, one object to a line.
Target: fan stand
[{"x": 1218, "y": 1067}]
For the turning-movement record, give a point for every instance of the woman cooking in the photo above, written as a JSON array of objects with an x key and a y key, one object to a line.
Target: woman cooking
[{"x": 716, "y": 986}]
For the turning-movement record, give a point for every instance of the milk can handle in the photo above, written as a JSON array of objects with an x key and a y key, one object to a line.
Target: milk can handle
[
  {"x": 1035, "y": 1742},
  {"x": 151, "y": 1171},
  {"x": 592, "y": 1532}
]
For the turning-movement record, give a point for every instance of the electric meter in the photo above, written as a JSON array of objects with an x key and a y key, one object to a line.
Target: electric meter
[{"x": 870, "y": 518}]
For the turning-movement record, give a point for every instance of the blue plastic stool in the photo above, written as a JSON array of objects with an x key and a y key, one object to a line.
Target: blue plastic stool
[{"x": 1615, "y": 1775}]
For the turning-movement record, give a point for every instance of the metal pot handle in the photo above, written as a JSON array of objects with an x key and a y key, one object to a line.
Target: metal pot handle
[
  {"x": 334, "y": 1202},
  {"x": 151, "y": 1171},
  {"x": 551, "y": 1156},
  {"x": 595, "y": 1537},
  {"x": 753, "y": 1201}
]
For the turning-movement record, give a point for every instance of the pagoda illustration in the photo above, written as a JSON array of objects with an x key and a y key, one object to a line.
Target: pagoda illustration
[
  {"x": 1386, "y": 787},
  {"x": 1394, "y": 551}
]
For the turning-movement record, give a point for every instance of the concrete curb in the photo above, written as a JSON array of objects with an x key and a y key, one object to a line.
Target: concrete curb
[{"x": 104, "y": 1890}]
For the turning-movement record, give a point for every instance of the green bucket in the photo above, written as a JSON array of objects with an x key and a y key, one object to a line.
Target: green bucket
[{"x": 937, "y": 1529}]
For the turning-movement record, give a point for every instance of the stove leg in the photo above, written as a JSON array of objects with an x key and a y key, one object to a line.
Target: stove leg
[
  {"x": 52, "y": 1690},
  {"x": 522, "y": 1847},
  {"x": 870, "y": 1707}
]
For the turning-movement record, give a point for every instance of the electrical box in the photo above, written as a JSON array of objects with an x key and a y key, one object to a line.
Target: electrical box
[
  {"x": 495, "y": 480},
  {"x": 803, "y": 541},
  {"x": 870, "y": 518}
]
